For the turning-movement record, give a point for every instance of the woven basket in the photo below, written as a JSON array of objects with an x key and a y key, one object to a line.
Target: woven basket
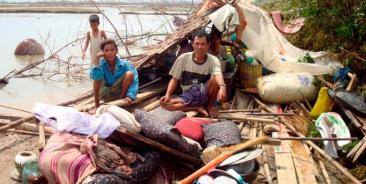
[{"x": 249, "y": 74}]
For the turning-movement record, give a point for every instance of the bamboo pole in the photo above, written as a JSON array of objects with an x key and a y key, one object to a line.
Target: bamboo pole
[
  {"x": 15, "y": 108},
  {"x": 31, "y": 117},
  {"x": 324, "y": 171},
  {"x": 240, "y": 117},
  {"x": 325, "y": 155},
  {"x": 239, "y": 110}
]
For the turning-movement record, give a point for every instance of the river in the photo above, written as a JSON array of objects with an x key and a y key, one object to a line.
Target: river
[{"x": 54, "y": 31}]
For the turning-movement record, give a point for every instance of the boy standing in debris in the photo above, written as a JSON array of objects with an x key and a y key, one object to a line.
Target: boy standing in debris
[
  {"x": 118, "y": 76},
  {"x": 200, "y": 77},
  {"x": 95, "y": 37}
]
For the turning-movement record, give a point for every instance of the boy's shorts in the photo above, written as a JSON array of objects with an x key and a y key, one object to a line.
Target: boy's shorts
[{"x": 196, "y": 95}]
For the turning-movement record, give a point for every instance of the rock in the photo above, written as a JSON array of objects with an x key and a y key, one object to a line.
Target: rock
[{"x": 29, "y": 47}]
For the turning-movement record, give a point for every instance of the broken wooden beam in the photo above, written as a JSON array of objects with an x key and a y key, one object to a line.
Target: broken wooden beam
[{"x": 124, "y": 132}]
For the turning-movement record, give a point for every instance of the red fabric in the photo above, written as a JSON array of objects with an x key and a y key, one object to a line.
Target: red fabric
[{"x": 192, "y": 127}]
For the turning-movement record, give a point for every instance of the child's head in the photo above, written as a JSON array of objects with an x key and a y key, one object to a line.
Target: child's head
[
  {"x": 94, "y": 21},
  {"x": 94, "y": 18},
  {"x": 109, "y": 48}
]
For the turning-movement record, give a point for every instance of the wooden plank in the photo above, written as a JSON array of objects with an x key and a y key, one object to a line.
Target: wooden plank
[
  {"x": 42, "y": 137},
  {"x": 152, "y": 106},
  {"x": 148, "y": 92},
  {"x": 285, "y": 167},
  {"x": 302, "y": 162},
  {"x": 158, "y": 145},
  {"x": 243, "y": 117},
  {"x": 28, "y": 126}
]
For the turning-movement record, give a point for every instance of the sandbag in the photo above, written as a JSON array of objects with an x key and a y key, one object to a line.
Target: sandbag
[
  {"x": 323, "y": 103},
  {"x": 126, "y": 119},
  {"x": 286, "y": 87}
]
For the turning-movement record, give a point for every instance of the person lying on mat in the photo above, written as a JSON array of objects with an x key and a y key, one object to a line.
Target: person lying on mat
[
  {"x": 200, "y": 77},
  {"x": 118, "y": 76}
]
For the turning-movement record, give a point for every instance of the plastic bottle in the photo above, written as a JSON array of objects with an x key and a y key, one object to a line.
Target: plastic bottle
[
  {"x": 250, "y": 58},
  {"x": 230, "y": 59}
]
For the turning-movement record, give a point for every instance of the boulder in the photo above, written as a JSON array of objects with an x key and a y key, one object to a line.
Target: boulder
[{"x": 29, "y": 47}]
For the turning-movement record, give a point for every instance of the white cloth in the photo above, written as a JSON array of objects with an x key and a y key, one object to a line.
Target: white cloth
[
  {"x": 231, "y": 18},
  {"x": 270, "y": 47},
  {"x": 126, "y": 119},
  {"x": 70, "y": 120}
]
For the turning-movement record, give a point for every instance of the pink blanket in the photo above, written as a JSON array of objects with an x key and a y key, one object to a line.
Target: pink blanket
[{"x": 67, "y": 158}]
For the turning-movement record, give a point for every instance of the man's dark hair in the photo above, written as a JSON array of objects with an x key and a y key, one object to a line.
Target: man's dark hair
[
  {"x": 200, "y": 34},
  {"x": 94, "y": 18},
  {"x": 215, "y": 32},
  {"x": 106, "y": 42}
]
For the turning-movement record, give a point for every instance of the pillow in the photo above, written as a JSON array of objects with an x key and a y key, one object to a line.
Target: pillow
[
  {"x": 126, "y": 119},
  {"x": 163, "y": 133},
  {"x": 192, "y": 127},
  {"x": 169, "y": 117},
  {"x": 221, "y": 134}
]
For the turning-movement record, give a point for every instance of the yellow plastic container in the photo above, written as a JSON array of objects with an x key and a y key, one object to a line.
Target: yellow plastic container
[{"x": 323, "y": 103}]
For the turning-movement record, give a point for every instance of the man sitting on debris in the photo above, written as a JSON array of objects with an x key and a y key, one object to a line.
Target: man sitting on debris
[
  {"x": 200, "y": 77},
  {"x": 120, "y": 78}
]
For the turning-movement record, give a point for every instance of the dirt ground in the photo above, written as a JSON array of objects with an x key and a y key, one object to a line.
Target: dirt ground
[{"x": 10, "y": 145}]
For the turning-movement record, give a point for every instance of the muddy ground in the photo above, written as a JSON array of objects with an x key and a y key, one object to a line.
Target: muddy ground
[{"x": 10, "y": 145}]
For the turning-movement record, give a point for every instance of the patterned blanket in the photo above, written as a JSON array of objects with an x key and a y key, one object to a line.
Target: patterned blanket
[{"x": 68, "y": 158}]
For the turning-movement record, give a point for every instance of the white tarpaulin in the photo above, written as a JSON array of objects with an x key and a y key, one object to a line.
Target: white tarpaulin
[{"x": 270, "y": 47}]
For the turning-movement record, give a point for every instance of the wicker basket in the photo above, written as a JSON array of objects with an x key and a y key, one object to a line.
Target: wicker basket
[{"x": 249, "y": 74}]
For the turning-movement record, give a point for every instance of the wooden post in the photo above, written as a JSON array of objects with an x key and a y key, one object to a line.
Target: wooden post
[{"x": 42, "y": 138}]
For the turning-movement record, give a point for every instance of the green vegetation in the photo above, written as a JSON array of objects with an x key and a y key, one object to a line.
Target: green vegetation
[{"x": 306, "y": 59}]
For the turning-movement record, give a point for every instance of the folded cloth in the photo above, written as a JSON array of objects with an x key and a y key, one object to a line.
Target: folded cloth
[
  {"x": 71, "y": 120},
  {"x": 196, "y": 95},
  {"x": 68, "y": 158}
]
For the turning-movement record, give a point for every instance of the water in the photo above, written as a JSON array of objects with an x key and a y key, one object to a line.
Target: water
[{"x": 59, "y": 29}]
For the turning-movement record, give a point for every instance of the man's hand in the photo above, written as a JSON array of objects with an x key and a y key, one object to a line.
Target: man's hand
[
  {"x": 221, "y": 95},
  {"x": 100, "y": 54},
  {"x": 165, "y": 99}
]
